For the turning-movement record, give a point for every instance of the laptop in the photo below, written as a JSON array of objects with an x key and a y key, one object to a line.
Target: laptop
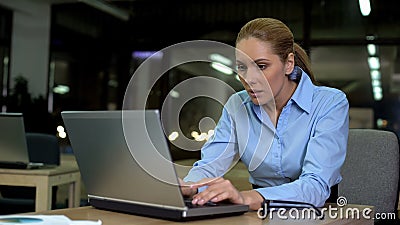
[
  {"x": 14, "y": 152},
  {"x": 126, "y": 166}
]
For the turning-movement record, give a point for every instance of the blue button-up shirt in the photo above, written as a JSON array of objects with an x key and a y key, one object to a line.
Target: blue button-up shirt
[{"x": 298, "y": 160}]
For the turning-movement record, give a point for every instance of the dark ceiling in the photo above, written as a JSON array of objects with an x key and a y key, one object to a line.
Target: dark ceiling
[
  {"x": 173, "y": 21},
  {"x": 333, "y": 31}
]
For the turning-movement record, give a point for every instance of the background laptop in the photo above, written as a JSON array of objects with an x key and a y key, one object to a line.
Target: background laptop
[
  {"x": 144, "y": 182},
  {"x": 13, "y": 147}
]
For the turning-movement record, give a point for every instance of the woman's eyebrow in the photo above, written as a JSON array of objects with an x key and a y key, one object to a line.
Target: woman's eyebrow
[
  {"x": 239, "y": 62},
  {"x": 255, "y": 61},
  {"x": 261, "y": 59}
]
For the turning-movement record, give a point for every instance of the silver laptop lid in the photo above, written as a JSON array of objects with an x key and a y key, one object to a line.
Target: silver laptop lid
[
  {"x": 142, "y": 173},
  {"x": 13, "y": 147}
]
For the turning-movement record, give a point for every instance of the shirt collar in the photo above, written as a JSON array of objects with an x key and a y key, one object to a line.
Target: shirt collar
[
  {"x": 245, "y": 97},
  {"x": 304, "y": 92}
]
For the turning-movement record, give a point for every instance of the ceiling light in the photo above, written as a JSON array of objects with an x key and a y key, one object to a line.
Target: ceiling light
[
  {"x": 373, "y": 63},
  {"x": 221, "y": 59},
  {"x": 376, "y": 83},
  {"x": 365, "y": 7},
  {"x": 371, "y": 49},
  {"x": 108, "y": 8},
  {"x": 147, "y": 54},
  {"x": 62, "y": 135},
  {"x": 221, "y": 68},
  {"x": 61, "y": 89},
  {"x": 60, "y": 129},
  {"x": 375, "y": 74},
  {"x": 370, "y": 37},
  {"x": 173, "y": 136},
  {"x": 201, "y": 137},
  {"x": 174, "y": 94},
  {"x": 194, "y": 134},
  {"x": 377, "y": 90},
  {"x": 378, "y": 96},
  {"x": 113, "y": 83}
]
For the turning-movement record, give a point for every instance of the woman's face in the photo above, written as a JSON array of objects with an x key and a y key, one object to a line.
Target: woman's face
[{"x": 261, "y": 72}]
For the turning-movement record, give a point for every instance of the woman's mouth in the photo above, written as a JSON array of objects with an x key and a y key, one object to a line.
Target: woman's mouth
[{"x": 254, "y": 93}]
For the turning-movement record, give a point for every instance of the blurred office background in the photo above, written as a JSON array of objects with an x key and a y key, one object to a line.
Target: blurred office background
[{"x": 60, "y": 55}]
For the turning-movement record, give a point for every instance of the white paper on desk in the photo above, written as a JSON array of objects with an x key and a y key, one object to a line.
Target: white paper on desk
[
  {"x": 85, "y": 222},
  {"x": 43, "y": 220}
]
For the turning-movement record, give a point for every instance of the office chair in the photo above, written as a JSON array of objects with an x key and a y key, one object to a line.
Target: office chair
[
  {"x": 371, "y": 170},
  {"x": 42, "y": 148}
]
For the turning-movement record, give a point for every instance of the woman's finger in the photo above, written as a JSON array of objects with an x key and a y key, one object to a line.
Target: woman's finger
[{"x": 217, "y": 191}]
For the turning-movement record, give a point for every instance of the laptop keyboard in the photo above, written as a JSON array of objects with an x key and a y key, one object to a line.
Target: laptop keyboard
[
  {"x": 13, "y": 165},
  {"x": 188, "y": 203}
]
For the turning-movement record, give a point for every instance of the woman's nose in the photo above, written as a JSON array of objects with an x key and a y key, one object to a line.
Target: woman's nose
[
  {"x": 250, "y": 80},
  {"x": 252, "y": 75}
]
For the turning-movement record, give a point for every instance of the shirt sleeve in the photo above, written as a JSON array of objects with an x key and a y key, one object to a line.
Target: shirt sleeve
[
  {"x": 326, "y": 151},
  {"x": 218, "y": 153}
]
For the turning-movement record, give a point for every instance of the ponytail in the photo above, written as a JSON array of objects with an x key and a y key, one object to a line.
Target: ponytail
[{"x": 302, "y": 60}]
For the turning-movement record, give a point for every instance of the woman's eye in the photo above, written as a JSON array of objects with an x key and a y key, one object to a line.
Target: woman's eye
[
  {"x": 241, "y": 67},
  {"x": 262, "y": 66}
]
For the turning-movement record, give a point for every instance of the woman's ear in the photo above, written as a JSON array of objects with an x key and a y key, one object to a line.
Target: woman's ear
[{"x": 289, "y": 65}]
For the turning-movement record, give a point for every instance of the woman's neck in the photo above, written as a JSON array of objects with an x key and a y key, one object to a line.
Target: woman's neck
[
  {"x": 286, "y": 94},
  {"x": 280, "y": 101}
]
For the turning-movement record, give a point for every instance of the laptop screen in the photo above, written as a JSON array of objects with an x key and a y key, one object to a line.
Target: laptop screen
[
  {"x": 120, "y": 165},
  {"x": 13, "y": 147}
]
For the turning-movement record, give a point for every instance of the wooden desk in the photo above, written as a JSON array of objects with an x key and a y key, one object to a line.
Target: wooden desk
[
  {"x": 250, "y": 218},
  {"x": 44, "y": 180}
]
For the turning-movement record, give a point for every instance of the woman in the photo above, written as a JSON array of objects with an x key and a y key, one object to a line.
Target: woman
[{"x": 291, "y": 135}]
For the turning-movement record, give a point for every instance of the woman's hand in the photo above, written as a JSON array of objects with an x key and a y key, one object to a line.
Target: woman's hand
[
  {"x": 186, "y": 188},
  {"x": 219, "y": 189}
]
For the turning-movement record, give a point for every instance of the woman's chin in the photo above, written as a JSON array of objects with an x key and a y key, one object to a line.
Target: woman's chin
[
  {"x": 255, "y": 101},
  {"x": 263, "y": 101}
]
